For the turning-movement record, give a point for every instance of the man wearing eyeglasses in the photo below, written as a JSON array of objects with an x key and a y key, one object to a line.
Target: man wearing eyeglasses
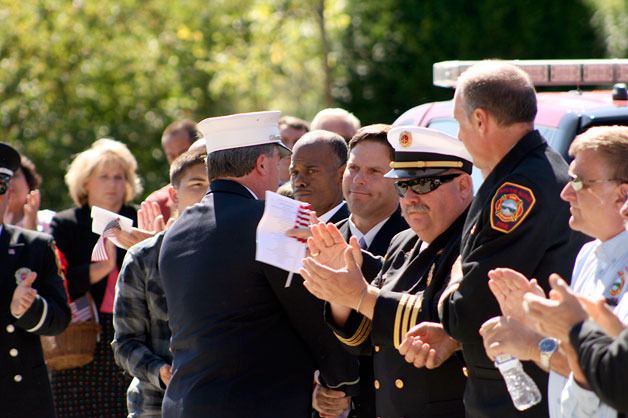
[
  {"x": 431, "y": 172},
  {"x": 33, "y": 303}
]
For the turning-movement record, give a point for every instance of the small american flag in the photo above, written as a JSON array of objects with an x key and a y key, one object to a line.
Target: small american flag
[
  {"x": 80, "y": 310},
  {"x": 100, "y": 252}
]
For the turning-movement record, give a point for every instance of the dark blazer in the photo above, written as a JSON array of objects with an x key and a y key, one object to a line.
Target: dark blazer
[
  {"x": 243, "y": 344},
  {"x": 341, "y": 213},
  {"x": 365, "y": 402},
  {"x": 72, "y": 231},
  {"x": 24, "y": 378},
  {"x": 411, "y": 283},
  {"x": 534, "y": 239},
  {"x": 604, "y": 361},
  {"x": 379, "y": 246}
]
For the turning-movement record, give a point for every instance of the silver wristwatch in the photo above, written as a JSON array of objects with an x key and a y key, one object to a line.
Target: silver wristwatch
[{"x": 547, "y": 347}]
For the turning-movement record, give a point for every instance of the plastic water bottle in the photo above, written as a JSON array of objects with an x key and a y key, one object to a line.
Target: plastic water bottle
[{"x": 523, "y": 391}]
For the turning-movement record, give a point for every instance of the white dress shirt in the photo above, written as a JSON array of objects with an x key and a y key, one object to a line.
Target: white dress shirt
[{"x": 601, "y": 269}]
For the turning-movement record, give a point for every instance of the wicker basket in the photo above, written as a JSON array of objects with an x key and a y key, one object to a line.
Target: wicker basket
[{"x": 74, "y": 347}]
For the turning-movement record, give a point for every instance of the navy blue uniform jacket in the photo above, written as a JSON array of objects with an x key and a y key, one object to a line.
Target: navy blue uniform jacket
[
  {"x": 517, "y": 220},
  {"x": 24, "y": 378},
  {"x": 243, "y": 345}
]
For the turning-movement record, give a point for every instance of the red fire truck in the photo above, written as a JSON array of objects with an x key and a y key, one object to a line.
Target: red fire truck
[{"x": 561, "y": 115}]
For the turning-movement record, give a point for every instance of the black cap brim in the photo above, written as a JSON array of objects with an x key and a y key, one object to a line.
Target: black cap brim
[{"x": 9, "y": 157}]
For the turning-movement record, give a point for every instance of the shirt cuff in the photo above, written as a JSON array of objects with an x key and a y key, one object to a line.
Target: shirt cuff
[{"x": 577, "y": 401}]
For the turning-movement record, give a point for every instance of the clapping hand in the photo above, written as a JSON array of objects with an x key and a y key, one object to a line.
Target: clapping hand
[
  {"x": 427, "y": 345},
  {"x": 509, "y": 287},
  {"x": 330, "y": 279},
  {"x": 555, "y": 316},
  {"x": 31, "y": 207}
]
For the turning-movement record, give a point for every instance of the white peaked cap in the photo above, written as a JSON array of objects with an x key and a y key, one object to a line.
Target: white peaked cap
[
  {"x": 241, "y": 130},
  {"x": 421, "y": 152}
]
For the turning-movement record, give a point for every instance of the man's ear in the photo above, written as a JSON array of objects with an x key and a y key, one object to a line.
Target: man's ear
[
  {"x": 622, "y": 195},
  {"x": 172, "y": 192},
  {"x": 465, "y": 185},
  {"x": 262, "y": 163},
  {"x": 480, "y": 119},
  {"x": 341, "y": 172}
]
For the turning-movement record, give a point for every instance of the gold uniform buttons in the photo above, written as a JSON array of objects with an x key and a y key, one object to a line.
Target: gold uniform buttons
[
  {"x": 377, "y": 348},
  {"x": 10, "y": 328},
  {"x": 399, "y": 383},
  {"x": 376, "y": 384},
  {"x": 17, "y": 378},
  {"x": 13, "y": 352}
]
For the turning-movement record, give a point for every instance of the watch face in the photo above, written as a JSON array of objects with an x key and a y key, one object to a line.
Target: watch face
[{"x": 548, "y": 345}]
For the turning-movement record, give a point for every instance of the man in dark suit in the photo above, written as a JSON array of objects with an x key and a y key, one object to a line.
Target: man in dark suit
[
  {"x": 243, "y": 344},
  {"x": 375, "y": 219},
  {"x": 431, "y": 170},
  {"x": 372, "y": 199},
  {"x": 318, "y": 163},
  {"x": 33, "y": 303}
]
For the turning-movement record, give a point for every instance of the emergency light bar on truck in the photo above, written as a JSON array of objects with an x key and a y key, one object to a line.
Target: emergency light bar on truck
[{"x": 573, "y": 72}]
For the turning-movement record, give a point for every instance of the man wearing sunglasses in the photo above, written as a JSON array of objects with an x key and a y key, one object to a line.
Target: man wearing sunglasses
[
  {"x": 33, "y": 304},
  {"x": 431, "y": 171}
]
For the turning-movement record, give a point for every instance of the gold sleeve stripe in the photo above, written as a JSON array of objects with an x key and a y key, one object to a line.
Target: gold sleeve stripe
[
  {"x": 406, "y": 318},
  {"x": 400, "y": 308},
  {"x": 415, "y": 310},
  {"x": 360, "y": 335}
]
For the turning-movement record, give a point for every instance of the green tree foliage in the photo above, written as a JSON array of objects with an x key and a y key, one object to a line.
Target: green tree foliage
[
  {"x": 391, "y": 45},
  {"x": 74, "y": 71}
]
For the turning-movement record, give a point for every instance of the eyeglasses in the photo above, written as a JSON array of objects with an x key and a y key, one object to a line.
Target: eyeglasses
[
  {"x": 578, "y": 184},
  {"x": 5, "y": 181},
  {"x": 423, "y": 185}
]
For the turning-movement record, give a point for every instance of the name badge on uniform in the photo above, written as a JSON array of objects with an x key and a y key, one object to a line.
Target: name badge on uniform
[{"x": 21, "y": 274}]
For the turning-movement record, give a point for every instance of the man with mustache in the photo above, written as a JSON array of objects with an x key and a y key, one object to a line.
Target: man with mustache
[{"x": 432, "y": 177}]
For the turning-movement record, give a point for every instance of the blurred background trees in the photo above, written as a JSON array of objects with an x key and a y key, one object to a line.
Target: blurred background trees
[{"x": 72, "y": 72}]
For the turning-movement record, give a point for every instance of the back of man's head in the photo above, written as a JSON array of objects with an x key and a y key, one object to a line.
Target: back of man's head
[
  {"x": 503, "y": 90},
  {"x": 236, "y": 162},
  {"x": 336, "y": 120},
  {"x": 178, "y": 137}
]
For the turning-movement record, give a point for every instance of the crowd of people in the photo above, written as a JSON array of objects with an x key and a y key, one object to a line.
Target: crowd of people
[{"x": 412, "y": 292}]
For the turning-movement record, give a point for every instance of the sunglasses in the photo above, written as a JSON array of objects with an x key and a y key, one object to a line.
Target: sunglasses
[
  {"x": 5, "y": 181},
  {"x": 423, "y": 185},
  {"x": 578, "y": 184}
]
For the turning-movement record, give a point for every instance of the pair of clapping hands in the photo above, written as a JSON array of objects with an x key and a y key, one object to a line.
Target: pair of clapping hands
[
  {"x": 526, "y": 310},
  {"x": 150, "y": 221},
  {"x": 331, "y": 271}
]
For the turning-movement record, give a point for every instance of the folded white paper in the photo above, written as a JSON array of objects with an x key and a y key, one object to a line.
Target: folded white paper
[
  {"x": 101, "y": 218},
  {"x": 274, "y": 247}
]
